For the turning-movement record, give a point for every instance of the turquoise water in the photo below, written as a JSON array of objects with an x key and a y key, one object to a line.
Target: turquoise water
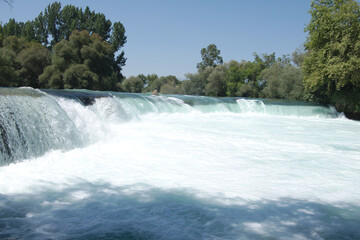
[{"x": 135, "y": 166}]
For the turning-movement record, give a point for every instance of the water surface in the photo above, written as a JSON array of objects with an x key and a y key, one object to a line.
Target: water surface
[{"x": 135, "y": 166}]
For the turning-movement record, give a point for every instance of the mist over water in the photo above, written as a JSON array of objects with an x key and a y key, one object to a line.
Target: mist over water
[{"x": 135, "y": 166}]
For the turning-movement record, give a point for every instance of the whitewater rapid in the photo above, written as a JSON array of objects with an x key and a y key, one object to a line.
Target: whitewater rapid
[{"x": 177, "y": 167}]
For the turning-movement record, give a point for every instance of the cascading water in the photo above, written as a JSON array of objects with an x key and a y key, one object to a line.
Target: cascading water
[
  {"x": 80, "y": 164},
  {"x": 32, "y": 123}
]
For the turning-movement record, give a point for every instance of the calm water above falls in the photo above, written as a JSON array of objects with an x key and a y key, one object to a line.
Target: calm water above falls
[{"x": 133, "y": 166}]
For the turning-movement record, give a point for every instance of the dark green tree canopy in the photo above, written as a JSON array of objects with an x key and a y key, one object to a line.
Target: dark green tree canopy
[
  {"x": 210, "y": 57},
  {"x": 22, "y": 62},
  {"x": 33, "y": 60},
  {"x": 56, "y": 23},
  {"x": 8, "y": 77},
  {"x": 83, "y": 61},
  {"x": 332, "y": 67},
  {"x": 78, "y": 40}
]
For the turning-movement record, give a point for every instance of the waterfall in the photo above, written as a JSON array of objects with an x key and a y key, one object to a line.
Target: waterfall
[{"x": 33, "y": 122}]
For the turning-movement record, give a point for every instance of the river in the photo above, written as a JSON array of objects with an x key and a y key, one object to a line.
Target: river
[{"x": 82, "y": 164}]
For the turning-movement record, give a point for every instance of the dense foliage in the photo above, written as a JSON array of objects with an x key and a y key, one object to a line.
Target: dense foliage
[
  {"x": 62, "y": 48},
  {"x": 83, "y": 61},
  {"x": 266, "y": 76},
  {"x": 22, "y": 62},
  {"x": 332, "y": 67}
]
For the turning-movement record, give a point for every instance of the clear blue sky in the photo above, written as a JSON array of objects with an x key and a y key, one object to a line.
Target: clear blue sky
[{"x": 165, "y": 36}]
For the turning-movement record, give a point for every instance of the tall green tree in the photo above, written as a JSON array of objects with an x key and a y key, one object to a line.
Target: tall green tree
[
  {"x": 210, "y": 57},
  {"x": 40, "y": 29},
  {"x": 12, "y": 28},
  {"x": 70, "y": 19},
  {"x": 332, "y": 66},
  {"x": 52, "y": 18}
]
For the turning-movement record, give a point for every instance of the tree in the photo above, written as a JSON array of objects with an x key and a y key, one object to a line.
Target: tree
[
  {"x": 12, "y": 28},
  {"x": 28, "y": 31},
  {"x": 143, "y": 78},
  {"x": 79, "y": 41},
  {"x": 248, "y": 89},
  {"x": 22, "y": 62},
  {"x": 52, "y": 77},
  {"x": 169, "y": 85},
  {"x": 33, "y": 60},
  {"x": 52, "y": 18},
  {"x": 56, "y": 23},
  {"x": 9, "y": 67},
  {"x": 291, "y": 85},
  {"x": 40, "y": 29},
  {"x": 118, "y": 38},
  {"x": 216, "y": 85},
  {"x": 8, "y": 76},
  {"x": 283, "y": 81},
  {"x": 251, "y": 72},
  {"x": 210, "y": 57},
  {"x": 165, "y": 84},
  {"x": 82, "y": 52},
  {"x": 298, "y": 56},
  {"x": 272, "y": 76},
  {"x": 195, "y": 83},
  {"x": 235, "y": 77},
  {"x": 332, "y": 66},
  {"x": 70, "y": 19},
  {"x": 170, "y": 88},
  {"x": 79, "y": 76},
  {"x": 15, "y": 44},
  {"x": 148, "y": 82},
  {"x": 156, "y": 84},
  {"x": 265, "y": 60},
  {"x": 133, "y": 84}
]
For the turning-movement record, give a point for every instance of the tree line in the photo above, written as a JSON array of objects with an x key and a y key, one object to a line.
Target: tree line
[
  {"x": 266, "y": 77},
  {"x": 74, "y": 48}
]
